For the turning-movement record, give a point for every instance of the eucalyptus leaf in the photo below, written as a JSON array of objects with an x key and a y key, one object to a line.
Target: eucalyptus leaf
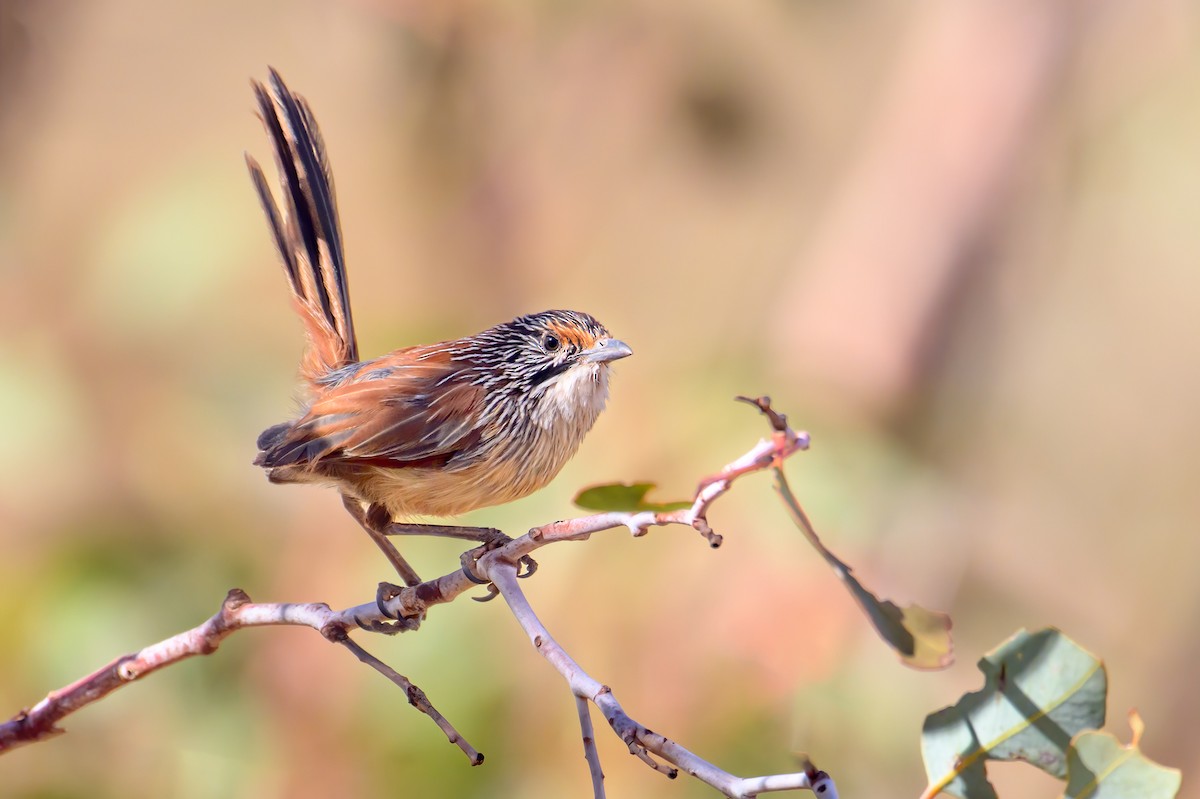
[
  {"x": 1099, "y": 767},
  {"x": 1039, "y": 691}
]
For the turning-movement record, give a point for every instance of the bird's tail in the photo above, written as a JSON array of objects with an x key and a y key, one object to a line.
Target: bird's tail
[{"x": 307, "y": 232}]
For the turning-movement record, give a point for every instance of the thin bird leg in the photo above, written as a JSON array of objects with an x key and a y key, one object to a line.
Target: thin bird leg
[
  {"x": 482, "y": 535},
  {"x": 369, "y": 521},
  {"x": 490, "y": 537}
]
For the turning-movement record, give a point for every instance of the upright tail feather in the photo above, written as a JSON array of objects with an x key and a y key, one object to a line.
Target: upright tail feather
[{"x": 308, "y": 233}]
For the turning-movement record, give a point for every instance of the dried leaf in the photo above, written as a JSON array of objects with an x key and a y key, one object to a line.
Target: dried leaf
[{"x": 919, "y": 636}]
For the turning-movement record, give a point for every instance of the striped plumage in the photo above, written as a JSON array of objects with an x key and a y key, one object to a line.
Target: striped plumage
[{"x": 438, "y": 429}]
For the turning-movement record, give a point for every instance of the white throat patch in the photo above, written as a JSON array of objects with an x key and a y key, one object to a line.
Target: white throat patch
[{"x": 576, "y": 396}]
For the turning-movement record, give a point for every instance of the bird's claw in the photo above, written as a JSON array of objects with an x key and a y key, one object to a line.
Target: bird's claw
[
  {"x": 469, "y": 560},
  {"x": 386, "y": 627},
  {"x": 386, "y": 593},
  {"x": 526, "y": 566},
  {"x": 399, "y": 624},
  {"x": 492, "y": 593}
]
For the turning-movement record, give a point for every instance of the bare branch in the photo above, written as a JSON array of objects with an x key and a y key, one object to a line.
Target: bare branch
[
  {"x": 765, "y": 454},
  {"x": 413, "y": 602},
  {"x": 237, "y": 612},
  {"x": 641, "y": 740},
  {"x": 399, "y": 609}
]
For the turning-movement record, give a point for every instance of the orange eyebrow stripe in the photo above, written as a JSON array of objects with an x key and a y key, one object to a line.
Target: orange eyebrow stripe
[{"x": 572, "y": 334}]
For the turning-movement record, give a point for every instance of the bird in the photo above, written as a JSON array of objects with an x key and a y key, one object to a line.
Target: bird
[{"x": 432, "y": 430}]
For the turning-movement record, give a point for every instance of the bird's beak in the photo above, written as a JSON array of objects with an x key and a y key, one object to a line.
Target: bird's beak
[{"x": 605, "y": 350}]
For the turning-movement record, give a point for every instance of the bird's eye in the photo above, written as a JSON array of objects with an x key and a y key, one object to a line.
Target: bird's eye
[{"x": 550, "y": 342}]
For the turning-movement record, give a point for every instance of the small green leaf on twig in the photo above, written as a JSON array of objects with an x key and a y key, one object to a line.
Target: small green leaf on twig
[
  {"x": 921, "y": 637},
  {"x": 1039, "y": 691},
  {"x": 1098, "y": 767},
  {"x": 625, "y": 498}
]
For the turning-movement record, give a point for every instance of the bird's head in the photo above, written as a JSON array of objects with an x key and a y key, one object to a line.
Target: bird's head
[{"x": 560, "y": 359}]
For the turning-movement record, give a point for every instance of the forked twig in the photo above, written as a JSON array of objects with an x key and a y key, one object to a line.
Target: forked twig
[
  {"x": 400, "y": 609},
  {"x": 641, "y": 741},
  {"x": 237, "y": 612}
]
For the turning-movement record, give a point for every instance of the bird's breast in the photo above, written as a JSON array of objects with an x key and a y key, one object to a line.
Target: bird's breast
[{"x": 521, "y": 451}]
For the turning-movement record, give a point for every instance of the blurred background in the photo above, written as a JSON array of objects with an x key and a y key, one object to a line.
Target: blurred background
[{"x": 956, "y": 242}]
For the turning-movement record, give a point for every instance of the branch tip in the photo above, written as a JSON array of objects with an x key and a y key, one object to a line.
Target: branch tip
[{"x": 778, "y": 420}]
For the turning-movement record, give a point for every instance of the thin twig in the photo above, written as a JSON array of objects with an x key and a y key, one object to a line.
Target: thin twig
[
  {"x": 416, "y": 697},
  {"x": 762, "y": 456},
  {"x": 590, "y": 752},
  {"x": 414, "y": 601}
]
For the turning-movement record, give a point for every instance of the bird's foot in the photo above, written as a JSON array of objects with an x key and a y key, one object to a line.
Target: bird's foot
[
  {"x": 494, "y": 539},
  {"x": 400, "y": 624}
]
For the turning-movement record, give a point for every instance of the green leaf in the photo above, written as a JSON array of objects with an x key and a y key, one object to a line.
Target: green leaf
[
  {"x": 624, "y": 497},
  {"x": 1099, "y": 767},
  {"x": 1039, "y": 691},
  {"x": 920, "y": 637}
]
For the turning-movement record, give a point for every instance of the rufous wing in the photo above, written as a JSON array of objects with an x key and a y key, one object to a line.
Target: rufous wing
[{"x": 416, "y": 415}]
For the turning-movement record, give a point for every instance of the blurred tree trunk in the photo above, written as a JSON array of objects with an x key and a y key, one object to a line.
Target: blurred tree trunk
[{"x": 877, "y": 280}]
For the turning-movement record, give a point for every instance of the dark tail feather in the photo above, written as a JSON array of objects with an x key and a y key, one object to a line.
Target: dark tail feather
[
  {"x": 271, "y": 437},
  {"x": 296, "y": 445},
  {"x": 308, "y": 233}
]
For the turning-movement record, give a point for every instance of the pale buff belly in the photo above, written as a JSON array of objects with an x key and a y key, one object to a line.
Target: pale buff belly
[
  {"x": 504, "y": 476},
  {"x": 433, "y": 492}
]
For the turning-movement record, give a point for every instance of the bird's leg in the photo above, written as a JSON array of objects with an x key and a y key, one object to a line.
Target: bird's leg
[
  {"x": 482, "y": 535},
  {"x": 489, "y": 537},
  {"x": 373, "y": 520}
]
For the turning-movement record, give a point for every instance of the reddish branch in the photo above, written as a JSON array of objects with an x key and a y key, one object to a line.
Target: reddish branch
[
  {"x": 409, "y": 605},
  {"x": 237, "y": 612}
]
